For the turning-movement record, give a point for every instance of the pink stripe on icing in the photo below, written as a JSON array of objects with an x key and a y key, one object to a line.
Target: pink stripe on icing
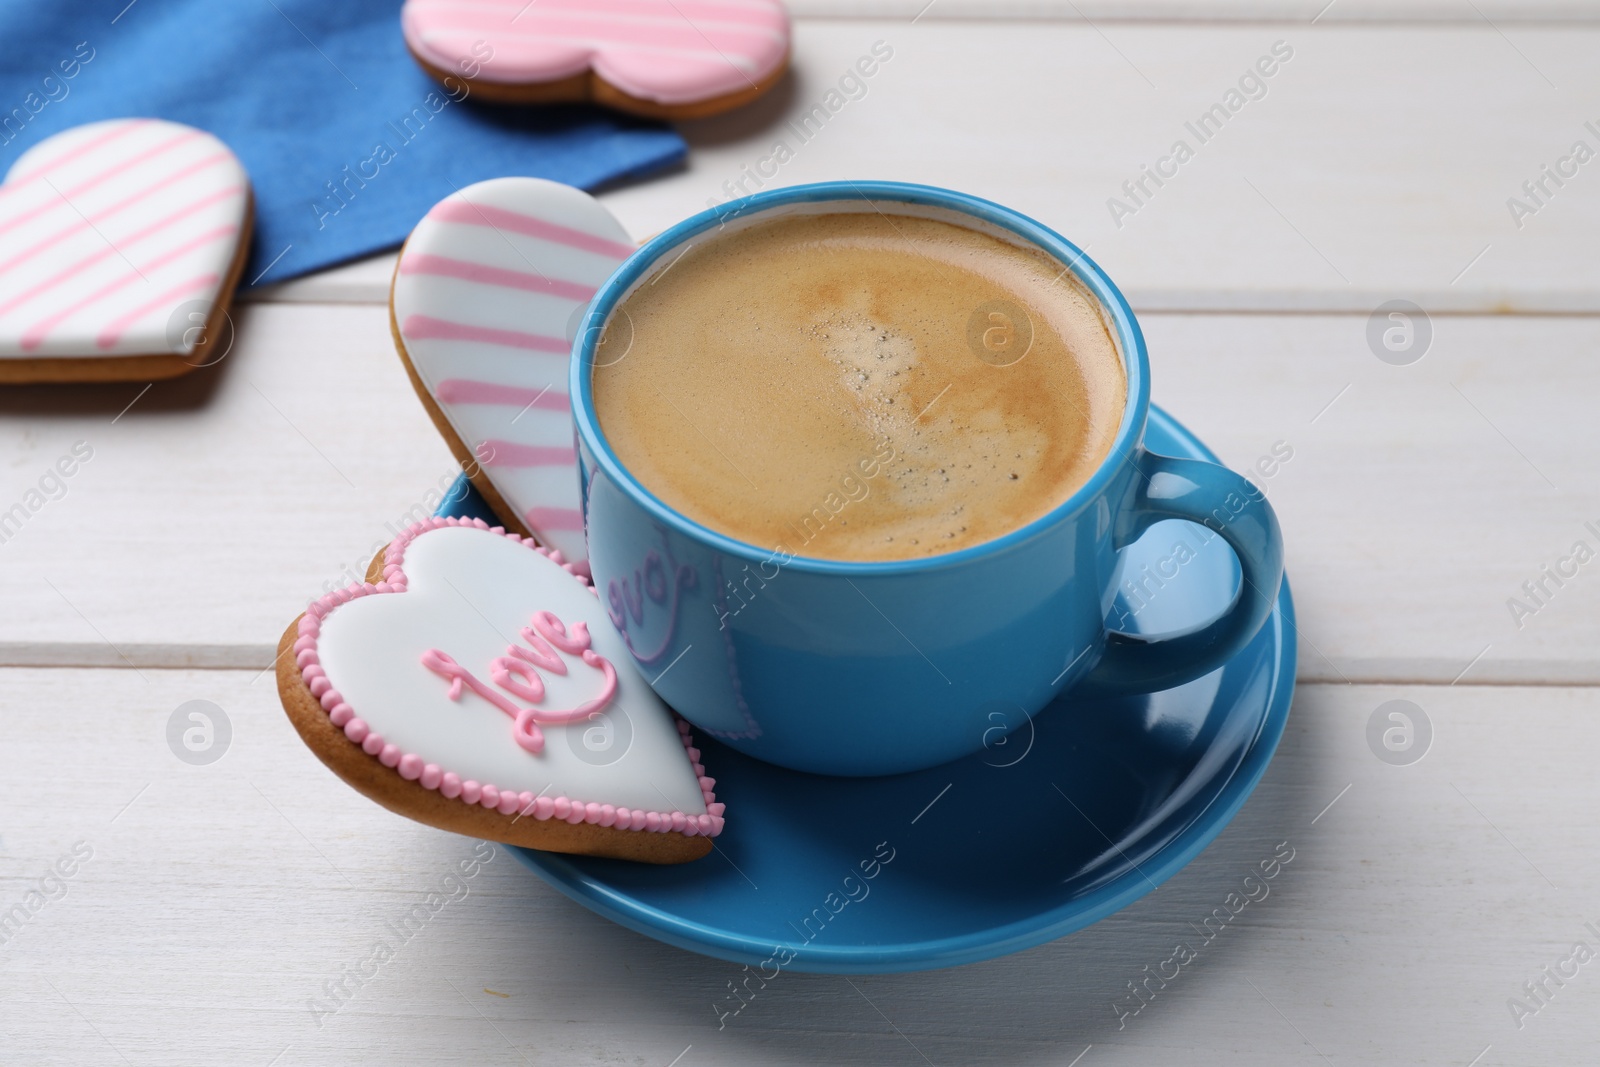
[
  {"x": 428, "y": 328},
  {"x": 553, "y": 518},
  {"x": 460, "y": 210},
  {"x": 511, "y": 454},
  {"x": 34, "y": 336},
  {"x": 113, "y": 330},
  {"x": 76, "y": 225},
  {"x": 122, "y": 245},
  {"x": 469, "y": 391},
  {"x": 449, "y": 784},
  {"x": 15, "y": 182},
  {"x": 115, "y": 170},
  {"x": 122, "y": 166},
  {"x": 446, "y": 267}
]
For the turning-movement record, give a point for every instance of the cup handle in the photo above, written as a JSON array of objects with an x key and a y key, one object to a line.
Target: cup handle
[{"x": 1227, "y": 504}]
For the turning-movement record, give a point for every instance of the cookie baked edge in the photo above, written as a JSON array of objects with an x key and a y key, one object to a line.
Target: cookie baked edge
[{"x": 384, "y": 785}]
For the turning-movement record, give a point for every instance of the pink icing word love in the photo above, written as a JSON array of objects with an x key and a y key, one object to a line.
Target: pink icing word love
[{"x": 517, "y": 673}]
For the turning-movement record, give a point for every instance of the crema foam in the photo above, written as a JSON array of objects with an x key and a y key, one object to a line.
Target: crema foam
[{"x": 860, "y": 386}]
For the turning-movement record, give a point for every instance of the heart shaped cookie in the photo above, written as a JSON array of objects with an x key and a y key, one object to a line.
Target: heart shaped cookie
[
  {"x": 121, "y": 243},
  {"x": 665, "y": 59},
  {"x": 475, "y": 685},
  {"x": 485, "y": 299}
]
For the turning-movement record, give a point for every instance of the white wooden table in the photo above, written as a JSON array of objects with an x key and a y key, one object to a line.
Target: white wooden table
[{"x": 208, "y": 906}]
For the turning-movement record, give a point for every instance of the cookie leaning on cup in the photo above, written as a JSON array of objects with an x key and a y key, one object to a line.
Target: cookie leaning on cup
[
  {"x": 486, "y": 297},
  {"x": 121, "y": 243},
  {"x": 474, "y": 684}
]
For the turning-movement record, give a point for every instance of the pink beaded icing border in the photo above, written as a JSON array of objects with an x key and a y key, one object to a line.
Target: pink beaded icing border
[{"x": 414, "y": 768}]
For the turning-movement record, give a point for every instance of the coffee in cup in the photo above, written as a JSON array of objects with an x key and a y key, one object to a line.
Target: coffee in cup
[
  {"x": 743, "y": 468},
  {"x": 852, "y": 386}
]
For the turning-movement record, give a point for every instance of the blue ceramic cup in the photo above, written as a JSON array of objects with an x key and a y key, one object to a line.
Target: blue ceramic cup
[{"x": 865, "y": 668}]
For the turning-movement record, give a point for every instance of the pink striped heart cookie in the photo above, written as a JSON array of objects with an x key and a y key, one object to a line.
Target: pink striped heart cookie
[
  {"x": 667, "y": 59},
  {"x": 473, "y": 683},
  {"x": 486, "y": 298},
  {"x": 121, "y": 243}
]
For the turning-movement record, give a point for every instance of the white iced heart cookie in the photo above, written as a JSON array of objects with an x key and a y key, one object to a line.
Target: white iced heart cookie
[
  {"x": 478, "y": 687},
  {"x": 121, "y": 243},
  {"x": 485, "y": 300}
]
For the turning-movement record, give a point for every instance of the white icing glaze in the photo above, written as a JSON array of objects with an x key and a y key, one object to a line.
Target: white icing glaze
[
  {"x": 107, "y": 230},
  {"x": 513, "y": 318},
  {"x": 469, "y": 593}
]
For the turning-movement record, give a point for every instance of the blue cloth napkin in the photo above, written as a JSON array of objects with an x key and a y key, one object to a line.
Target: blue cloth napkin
[{"x": 347, "y": 142}]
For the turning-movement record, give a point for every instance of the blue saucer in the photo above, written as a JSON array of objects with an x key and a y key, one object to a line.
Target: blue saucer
[{"x": 1056, "y": 825}]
